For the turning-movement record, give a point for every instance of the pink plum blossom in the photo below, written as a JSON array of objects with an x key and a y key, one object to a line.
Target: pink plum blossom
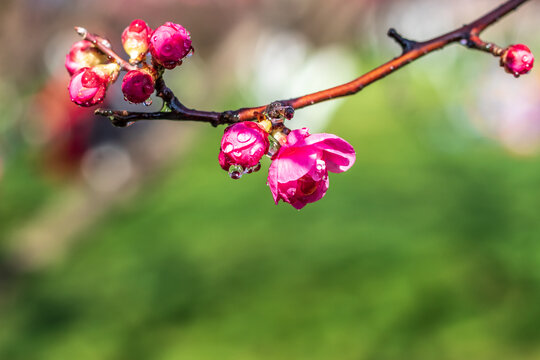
[
  {"x": 299, "y": 173},
  {"x": 169, "y": 44},
  {"x": 243, "y": 144}
]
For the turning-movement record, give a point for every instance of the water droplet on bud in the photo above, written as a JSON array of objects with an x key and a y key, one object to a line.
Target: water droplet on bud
[
  {"x": 243, "y": 137},
  {"x": 228, "y": 147},
  {"x": 256, "y": 167},
  {"x": 236, "y": 172}
]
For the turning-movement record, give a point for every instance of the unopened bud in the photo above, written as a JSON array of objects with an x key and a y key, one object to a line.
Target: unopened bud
[
  {"x": 136, "y": 39},
  {"x": 137, "y": 86},
  {"x": 84, "y": 54},
  {"x": 517, "y": 60},
  {"x": 242, "y": 146},
  {"x": 169, "y": 44}
]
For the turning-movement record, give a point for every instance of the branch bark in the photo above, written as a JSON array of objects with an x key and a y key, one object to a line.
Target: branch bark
[{"x": 467, "y": 35}]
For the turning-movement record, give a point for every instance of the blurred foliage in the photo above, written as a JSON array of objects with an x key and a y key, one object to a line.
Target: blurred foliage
[{"x": 426, "y": 249}]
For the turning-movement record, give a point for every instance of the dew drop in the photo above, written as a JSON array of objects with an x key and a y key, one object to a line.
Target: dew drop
[
  {"x": 321, "y": 165},
  {"x": 244, "y": 136},
  {"x": 236, "y": 172},
  {"x": 228, "y": 147},
  {"x": 235, "y": 175}
]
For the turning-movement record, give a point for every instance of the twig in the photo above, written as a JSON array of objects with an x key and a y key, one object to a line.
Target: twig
[{"x": 104, "y": 46}]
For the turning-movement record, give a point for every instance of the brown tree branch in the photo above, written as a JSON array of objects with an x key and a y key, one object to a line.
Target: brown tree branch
[{"x": 468, "y": 35}]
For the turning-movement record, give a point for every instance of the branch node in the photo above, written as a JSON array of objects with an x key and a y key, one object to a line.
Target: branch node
[
  {"x": 226, "y": 117},
  {"x": 406, "y": 44}
]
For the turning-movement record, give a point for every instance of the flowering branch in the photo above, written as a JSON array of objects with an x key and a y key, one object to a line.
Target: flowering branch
[
  {"x": 468, "y": 35},
  {"x": 301, "y": 161}
]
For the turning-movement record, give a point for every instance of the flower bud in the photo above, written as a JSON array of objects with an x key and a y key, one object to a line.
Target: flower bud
[
  {"x": 517, "y": 60},
  {"x": 136, "y": 39},
  {"x": 84, "y": 54},
  {"x": 137, "y": 86},
  {"x": 169, "y": 44},
  {"x": 88, "y": 85},
  {"x": 242, "y": 147}
]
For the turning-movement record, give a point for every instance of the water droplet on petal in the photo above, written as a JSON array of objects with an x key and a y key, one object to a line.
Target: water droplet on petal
[
  {"x": 227, "y": 148},
  {"x": 244, "y": 136}
]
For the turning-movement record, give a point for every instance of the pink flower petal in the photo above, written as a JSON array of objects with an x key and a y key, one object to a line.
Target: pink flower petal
[
  {"x": 338, "y": 154},
  {"x": 293, "y": 163}
]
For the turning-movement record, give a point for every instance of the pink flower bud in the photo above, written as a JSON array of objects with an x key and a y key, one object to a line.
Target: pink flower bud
[
  {"x": 84, "y": 54},
  {"x": 136, "y": 39},
  {"x": 517, "y": 60},
  {"x": 88, "y": 85},
  {"x": 299, "y": 173},
  {"x": 169, "y": 44},
  {"x": 137, "y": 86},
  {"x": 242, "y": 147}
]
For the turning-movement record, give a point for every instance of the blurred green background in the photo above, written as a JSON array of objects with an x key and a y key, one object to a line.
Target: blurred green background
[{"x": 427, "y": 248}]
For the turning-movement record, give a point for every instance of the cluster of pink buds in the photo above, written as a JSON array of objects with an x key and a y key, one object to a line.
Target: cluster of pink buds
[
  {"x": 517, "y": 59},
  {"x": 93, "y": 68},
  {"x": 298, "y": 174}
]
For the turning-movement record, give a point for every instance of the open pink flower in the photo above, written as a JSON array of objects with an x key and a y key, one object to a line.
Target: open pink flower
[
  {"x": 169, "y": 44},
  {"x": 299, "y": 173}
]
